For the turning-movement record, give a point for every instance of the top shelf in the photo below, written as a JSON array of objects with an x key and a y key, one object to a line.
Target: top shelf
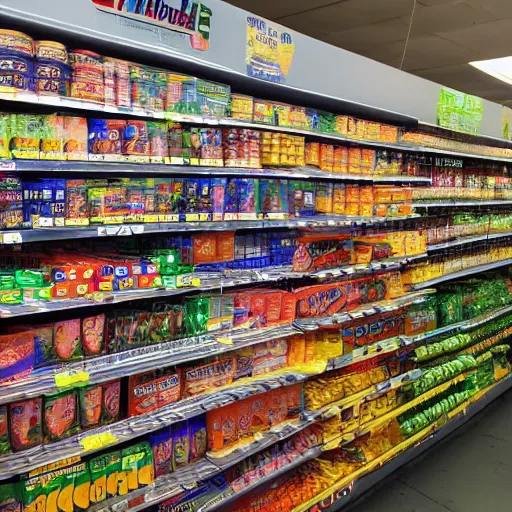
[{"x": 74, "y": 104}]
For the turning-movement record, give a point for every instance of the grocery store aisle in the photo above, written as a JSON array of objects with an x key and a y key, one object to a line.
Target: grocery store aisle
[{"x": 470, "y": 471}]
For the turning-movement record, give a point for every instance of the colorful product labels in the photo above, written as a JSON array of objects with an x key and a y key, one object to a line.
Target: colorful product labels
[
  {"x": 148, "y": 391},
  {"x": 60, "y": 417},
  {"x": 26, "y": 426},
  {"x": 322, "y": 252},
  {"x": 363, "y": 332},
  {"x": 201, "y": 379},
  {"x": 17, "y": 356},
  {"x": 162, "y": 446},
  {"x": 136, "y": 468}
]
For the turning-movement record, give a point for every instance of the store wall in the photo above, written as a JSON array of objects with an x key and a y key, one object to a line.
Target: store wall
[{"x": 316, "y": 66}]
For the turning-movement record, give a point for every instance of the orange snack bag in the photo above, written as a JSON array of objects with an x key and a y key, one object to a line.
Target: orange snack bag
[
  {"x": 338, "y": 206},
  {"x": 313, "y": 154},
  {"x": 354, "y": 160},
  {"x": 297, "y": 350}
]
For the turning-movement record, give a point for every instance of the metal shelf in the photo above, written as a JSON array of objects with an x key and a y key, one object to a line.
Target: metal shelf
[
  {"x": 129, "y": 428},
  {"x": 209, "y": 282},
  {"x": 63, "y": 103},
  {"x": 9, "y": 237},
  {"x": 462, "y": 273},
  {"x": 456, "y": 204},
  {"x": 468, "y": 240},
  {"x": 129, "y": 167},
  {"x": 141, "y": 359},
  {"x": 365, "y": 310},
  {"x": 343, "y": 497},
  {"x": 167, "y": 486}
]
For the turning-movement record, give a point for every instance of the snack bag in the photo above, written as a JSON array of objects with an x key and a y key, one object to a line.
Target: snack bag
[
  {"x": 17, "y": 356},
  {"x": 25, "y": 419},
  {"x": 152, "y": 390},
  {"x": 105, "y": 471},
  {"x": 60, "y": 417},
  {"x": 91, "y": 402},
  {"x": 111, "y": 401},
  {"x": 75, "y": 138},
  {"x": 222, "y": 426},
  {"x": 324, "y": 197},
  {"x": 4, "y": 431},
  {"x": 197, "y": 438},
  {"x": 66, "y": 340},
  {"x": 93, "y": 335},
  {"x": 161, "y": 444},
  {"x": 136, "y": 468},
  {"x": 180, "y": 445}
]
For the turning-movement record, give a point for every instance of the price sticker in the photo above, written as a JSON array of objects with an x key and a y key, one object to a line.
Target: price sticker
[
  {"x": 331, "y": 445},
  {"x": 98, "y": 441},
  {"x": 7, "y": 165},
  {"x": 122, "y": 230},
  {"x": 69, "y": 379},
  {"x": 12, "y": 238},
  {"x": 224, "y": 340}
]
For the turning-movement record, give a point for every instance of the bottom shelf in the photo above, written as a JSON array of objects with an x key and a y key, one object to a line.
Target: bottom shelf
[{"x": 339, "y": 497}]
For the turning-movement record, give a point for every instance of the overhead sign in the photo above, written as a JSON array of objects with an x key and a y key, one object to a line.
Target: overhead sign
[
  {"x": 184, "y": 16},
  {"x": 269, "y": 52}
]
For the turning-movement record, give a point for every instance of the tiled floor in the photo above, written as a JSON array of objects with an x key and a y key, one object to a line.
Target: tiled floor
[{"x": 470, "y": 471}]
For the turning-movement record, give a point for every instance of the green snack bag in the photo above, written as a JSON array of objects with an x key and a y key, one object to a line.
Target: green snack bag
[
  {"x": 105, "y": 471},
  {"x": 10, "y": 497},
  {"x": 136, "y": 467}
]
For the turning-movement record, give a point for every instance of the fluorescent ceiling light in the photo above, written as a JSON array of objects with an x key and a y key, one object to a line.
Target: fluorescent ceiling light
[{"x": 498, "y": 68}]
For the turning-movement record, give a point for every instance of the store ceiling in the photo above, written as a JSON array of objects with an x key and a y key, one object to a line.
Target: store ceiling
[{"x": 446, "y": 34}]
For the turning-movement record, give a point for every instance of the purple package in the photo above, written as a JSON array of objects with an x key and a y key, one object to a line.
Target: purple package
[{"x": 161, "y": 445}]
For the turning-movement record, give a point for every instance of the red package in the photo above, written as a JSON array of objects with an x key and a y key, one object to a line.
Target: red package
[
  {"x": 148, "y": 392},
  {"x": 25, "y": 421}
]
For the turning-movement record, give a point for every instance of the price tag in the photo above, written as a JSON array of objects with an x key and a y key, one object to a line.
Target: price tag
[
  {"x": 68, "y": 379},
  {"x": 7, "y": 166},
  {"x": 98, "y": 441},
  {"x": 331, "y": 445},
  {"x": 12, "y": 238},
  {"x": 331, "y": 223},
  {"x": 224, "y": 340},
  {"x": 122, "y": 230}
]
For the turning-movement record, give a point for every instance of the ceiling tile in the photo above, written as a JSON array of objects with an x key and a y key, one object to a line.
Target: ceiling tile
[
  {"x": 273, "y": 9},
  {"x": 500, "y": 8},
  {"x": 347, "y": 15},
  {"x": 467, "y": 78},
  {"x": 364, "y": 38},
  {"x": 485, "y": 40},
  {"x": 440, "y": 18},
  {"x": 433, "y": 51}
]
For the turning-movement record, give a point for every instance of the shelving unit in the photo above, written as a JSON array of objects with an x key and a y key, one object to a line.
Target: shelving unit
[{"x": 315, "y": 335}]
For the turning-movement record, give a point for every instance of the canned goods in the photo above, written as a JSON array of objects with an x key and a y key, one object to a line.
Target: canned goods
[{"x": 18, "y": 42}]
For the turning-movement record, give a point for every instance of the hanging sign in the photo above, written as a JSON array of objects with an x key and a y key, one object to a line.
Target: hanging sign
[
  {"x": 269, "y": 52},
  {"x": 186, "y": 16}
]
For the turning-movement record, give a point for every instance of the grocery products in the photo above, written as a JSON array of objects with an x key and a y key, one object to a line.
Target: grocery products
[{"x": 201, "y": 289}]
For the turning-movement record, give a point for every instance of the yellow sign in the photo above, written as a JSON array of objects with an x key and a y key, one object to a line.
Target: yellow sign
[
  {"x": 68, "y": 379},
  {"x": 269, "y": 52},
  {"x": 97, "y": 441}
]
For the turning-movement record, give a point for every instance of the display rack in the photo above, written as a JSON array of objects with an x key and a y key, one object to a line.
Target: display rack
[{"x": 302, "y": 334}]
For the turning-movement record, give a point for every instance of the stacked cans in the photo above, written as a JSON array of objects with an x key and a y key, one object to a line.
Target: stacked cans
[{"x": 16, "y": 61}]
